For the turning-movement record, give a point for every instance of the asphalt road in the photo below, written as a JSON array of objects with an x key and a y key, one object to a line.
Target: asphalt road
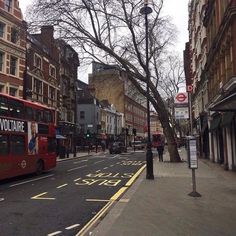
[{"x": 69, "y": 199}]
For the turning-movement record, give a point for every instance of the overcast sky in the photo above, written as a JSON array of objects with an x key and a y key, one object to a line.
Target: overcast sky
[{"x": 176, "y": 9}]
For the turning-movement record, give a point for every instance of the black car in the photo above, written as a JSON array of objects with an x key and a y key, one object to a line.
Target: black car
[{"x": 117, "y": 147}]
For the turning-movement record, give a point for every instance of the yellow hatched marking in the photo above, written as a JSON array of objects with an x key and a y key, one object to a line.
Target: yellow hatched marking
[{"x": 38, "y": 197}]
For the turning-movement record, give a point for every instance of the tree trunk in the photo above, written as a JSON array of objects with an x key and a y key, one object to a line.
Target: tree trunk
[{"x": 168, "y": 130}]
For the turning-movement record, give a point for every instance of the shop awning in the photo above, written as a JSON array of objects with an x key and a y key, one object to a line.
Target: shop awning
[
  {"x": 226, "y": 104},
  {"x": 215, "y": 123},
  {"x": 59, "y": 136},
  {"x": 227, "y": 118}
]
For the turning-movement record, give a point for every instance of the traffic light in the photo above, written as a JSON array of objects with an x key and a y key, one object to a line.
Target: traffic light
[
  {"x": 134, "y": 131},
  {"x": 88, "y": 134}
]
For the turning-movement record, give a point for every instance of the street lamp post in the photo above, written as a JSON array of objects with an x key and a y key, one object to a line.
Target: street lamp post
[{"x": 149, "y": 155}]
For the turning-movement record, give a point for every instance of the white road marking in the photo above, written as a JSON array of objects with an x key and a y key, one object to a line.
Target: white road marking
[
  {"x": 72, "y": 226},
  {"x": 96, "y": 200},
  {"x": 98, "y": 170},
  {"x": 63, "y": 185},
  {"x": 54, "y": 233},
  {"x": 38, "y": 197},
  {"x": 105, "y": 168},
  {"x": 98, "y": 161},
  {"x": 76, "y": 162},
  {"x": 115, "y": 156},
  {"x": 76, "y": 168},
  {"x": 111, "y": 165},
  {"x": 2, "y": 199},
  {"x": 32, "y": 180},
  {"x": 76, "y": 179}
]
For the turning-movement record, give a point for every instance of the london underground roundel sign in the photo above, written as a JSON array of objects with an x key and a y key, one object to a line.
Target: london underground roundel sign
[{"x": 181, "y": 98}]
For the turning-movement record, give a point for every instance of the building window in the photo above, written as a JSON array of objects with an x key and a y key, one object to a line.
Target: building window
[
  {"x": 13, "y": 65},
  {"x": 37, "y": 89},
  {"x": 52, "y": 71},
  {"x": 13, "y": 91},
  {"x": 37, "y": 61},
  {"x": 14, "y": 35},
  {"x": 1, "y": 88},
  {"x": 1, "y": 61},
  {"x": 8, "y": 5},
  {"x": 82, "y": 115},
  {"x": 2, "y": 27},
  {"x": 52, "y": 96}
]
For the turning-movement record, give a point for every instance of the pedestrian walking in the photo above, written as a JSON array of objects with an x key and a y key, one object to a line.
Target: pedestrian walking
[{"x": 160, "y": 149}]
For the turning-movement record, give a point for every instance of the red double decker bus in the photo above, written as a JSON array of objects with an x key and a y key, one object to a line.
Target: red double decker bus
[{"x": 27, "y": 137}]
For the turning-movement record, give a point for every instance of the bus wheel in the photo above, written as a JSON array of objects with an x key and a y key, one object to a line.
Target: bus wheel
[{"x": 39, "y": 168}]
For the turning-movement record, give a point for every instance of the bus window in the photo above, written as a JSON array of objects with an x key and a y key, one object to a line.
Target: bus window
[
  {"x": 4, "y": 147},
  {"x": 17, "y": 144},
  {"x": 39, "y": 116},
  {"x": 30, "y": 113},
  {"x": 47, "y": 116},
  {"x": 3, "y": 106},
  {"x": 16, "y": 109}
]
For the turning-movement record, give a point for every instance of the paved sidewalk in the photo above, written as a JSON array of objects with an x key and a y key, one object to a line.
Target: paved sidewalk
[{"x": 162, "y": 206}]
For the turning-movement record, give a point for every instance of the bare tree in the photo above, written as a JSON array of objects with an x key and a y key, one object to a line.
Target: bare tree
[{"x": 113, "y": 32}]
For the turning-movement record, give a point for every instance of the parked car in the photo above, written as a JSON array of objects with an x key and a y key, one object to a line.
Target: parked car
[
  {"x": 117, "y": 147},
  {"x": 139, "y": 145}
]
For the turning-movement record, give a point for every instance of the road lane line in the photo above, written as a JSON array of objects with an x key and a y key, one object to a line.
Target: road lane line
[
  {"x": 54, "y": 233},
  {"x": 135, "y": 176},
  {"x": 105, "y": 168},
  {"x": 76, "y": 168},
  {"x": 117, "y": 194},
  {"x": 63, "y": 185},
  {"x": 111, "y": 165},
  {"x": 38, "y": 197},
  {"x": 94, "y": 219},
  {"x": 32, "y": 180},
  {"x": 76, "y": 179},
  {"x": 77, "y": 162},
  {"x": 98, "y": 161},
  {"x": 96, "y": 200},
  {"x": 115, "y": 156},
  {"x": 98, "y": 170},
  {"x": 72, "y": 226}
]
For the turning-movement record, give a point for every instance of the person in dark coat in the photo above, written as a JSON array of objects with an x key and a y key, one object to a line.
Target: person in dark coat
[{"x": 160, "y": 149}]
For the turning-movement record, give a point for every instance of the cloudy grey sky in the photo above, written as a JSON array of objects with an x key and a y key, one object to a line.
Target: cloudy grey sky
[{"x": 176, "y": 9}]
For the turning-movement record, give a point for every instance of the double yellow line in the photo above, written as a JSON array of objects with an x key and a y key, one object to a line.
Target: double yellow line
[{"x": 109, "y": 204}]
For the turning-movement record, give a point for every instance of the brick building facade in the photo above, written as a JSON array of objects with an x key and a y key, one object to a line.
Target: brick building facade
[{"x": 12, "y": 48}]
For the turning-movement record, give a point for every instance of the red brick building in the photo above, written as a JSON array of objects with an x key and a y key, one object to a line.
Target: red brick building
[
  {"x": 12, "y": 48},
  {"x": 43, "y": 69}
]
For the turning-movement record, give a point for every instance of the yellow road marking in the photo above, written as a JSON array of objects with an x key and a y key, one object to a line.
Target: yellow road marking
[
  {"x": 94, "y": 219},
  {"x": 96, "y": 200},
  {"x": 135, "y": 176},
  {"x": 117, "y": 194},
  {"x": 63, "y": 185},
  {"x": 38, "y": 197}
]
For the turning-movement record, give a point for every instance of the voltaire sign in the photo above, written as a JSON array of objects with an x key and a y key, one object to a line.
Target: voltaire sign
[{"x": 12, "y": 125}]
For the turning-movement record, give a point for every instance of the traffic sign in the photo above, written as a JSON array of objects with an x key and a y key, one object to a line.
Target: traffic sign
[{"x": 181, "y": 98}]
